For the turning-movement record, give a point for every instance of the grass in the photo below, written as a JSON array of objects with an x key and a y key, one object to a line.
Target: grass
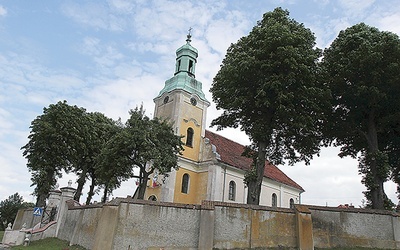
[
  {"x": 350, "y": 248},
  {"x": 49, "y": 244},
  {"x": 57, "y": 244}
]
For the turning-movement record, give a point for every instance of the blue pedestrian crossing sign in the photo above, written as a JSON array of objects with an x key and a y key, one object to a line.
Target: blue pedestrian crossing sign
[{"x": 37, "y": 211}]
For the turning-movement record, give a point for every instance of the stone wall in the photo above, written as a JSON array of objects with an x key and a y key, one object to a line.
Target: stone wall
[
  {"x": 334, "y": 227},
  {"x": 129, "y": 224},
  {"x": 134, "y": 224}
]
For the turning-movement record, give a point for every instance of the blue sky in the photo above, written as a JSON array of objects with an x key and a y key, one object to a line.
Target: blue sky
[{"x": 110, "y": 56}]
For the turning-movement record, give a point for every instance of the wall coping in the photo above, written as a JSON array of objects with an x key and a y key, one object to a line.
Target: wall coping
[
  {"x": 210, "y": 205},
  {"x": 353, "y": 210},
  {"x": 205, "y": 205}
]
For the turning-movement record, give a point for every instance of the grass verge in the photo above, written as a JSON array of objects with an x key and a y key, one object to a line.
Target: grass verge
[{"x": 49, "y": 244}]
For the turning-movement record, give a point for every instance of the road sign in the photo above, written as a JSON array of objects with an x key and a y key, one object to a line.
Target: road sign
[{"x": 37, "y": 211}]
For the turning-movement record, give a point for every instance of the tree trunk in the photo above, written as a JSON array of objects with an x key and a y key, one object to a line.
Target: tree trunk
[
  {"x": 254, "y": 186},
  {"x": 377, "y": 191},
  {"x": 45, "y": 188},
  {"x": 144, "y": 176},
  {"x": 41, "y": 200},
  {"x": 104, "y": 199},
  {"x": 91, "y": 191},
  {"x": 81, "y": 182}
]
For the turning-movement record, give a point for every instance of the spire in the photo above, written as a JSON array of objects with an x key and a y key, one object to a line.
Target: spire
[
  {"x": 186, "y": 58},
  {"x": 185, "y": 68}
]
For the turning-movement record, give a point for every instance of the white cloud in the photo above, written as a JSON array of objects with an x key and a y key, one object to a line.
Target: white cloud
[
  {"x": 124, "y": 6},
  {"x": 3, "y": 11},
  {"x": 386, "y": 19},
  {"x": 221, "y": 32},
  {"x": 94, "y": 14},
  {"x": 390, "y": 23},
  {"x": 356, "y": 7}
]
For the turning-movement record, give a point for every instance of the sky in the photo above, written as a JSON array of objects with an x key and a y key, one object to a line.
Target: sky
[{"x": 111, "y": 56}]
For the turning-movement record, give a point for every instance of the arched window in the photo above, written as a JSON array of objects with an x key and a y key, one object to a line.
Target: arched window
[
  {"x": 190, "y": 66},
  {"x": 274, "y": 200},
  {"x": 152, "y": 198},
  {"x": 189, "y": 137},
  {"x": 291, "y": 202},
  {"x": 185, "y": 184},
  {"x": 232, "y": 191}
]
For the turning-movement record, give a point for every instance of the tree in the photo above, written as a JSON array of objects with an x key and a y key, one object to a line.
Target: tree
[
  {"x": 142, "y": 143},
  {"x": 9, "y": 209},
  {"x": 278, "y": 102},
  {"x": 55, "y": 141},
  {"x": 362, "y": 71},
  {"x": 97, "y": 130}
]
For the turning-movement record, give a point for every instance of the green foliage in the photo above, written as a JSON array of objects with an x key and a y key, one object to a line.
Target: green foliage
[
  {"x": 65, "y": 138},
  {"x": 140, "y": 143},
  {"x": 99, "y": 130},
  {"x": 9, "y": 209},
  {"x": 55, "y": 141},
  {"x": 267, "y": 85},
  {"x": 361, "y": 68}
]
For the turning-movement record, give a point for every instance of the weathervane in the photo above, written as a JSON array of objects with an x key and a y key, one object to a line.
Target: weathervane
[{"x": 189, "y": 35}]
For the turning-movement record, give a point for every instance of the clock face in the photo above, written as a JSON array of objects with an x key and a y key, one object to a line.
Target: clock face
[
  {"x": 166, "y": 99},
  {"x": 193, "y": 101}
]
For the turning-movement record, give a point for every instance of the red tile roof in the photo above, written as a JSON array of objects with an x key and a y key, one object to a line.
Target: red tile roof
[{"x": 231, "y": 154}]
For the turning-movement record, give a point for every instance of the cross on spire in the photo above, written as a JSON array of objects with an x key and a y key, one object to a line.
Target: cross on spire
[{"x": 189, "y": 35}]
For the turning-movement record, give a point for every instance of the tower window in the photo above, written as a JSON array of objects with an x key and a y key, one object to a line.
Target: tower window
[
  {"x": 190, "y": 66},
  {"x": 189, "y": 137},
  {"x": 274, "y": 200},
  {"x": 232, "y": 190},
  {"x": 185, "y": 184},
  {"x": 178, "y": 65}
]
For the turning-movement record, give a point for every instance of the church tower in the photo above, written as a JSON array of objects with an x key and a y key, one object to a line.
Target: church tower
[{"x": 183, "y": 102}]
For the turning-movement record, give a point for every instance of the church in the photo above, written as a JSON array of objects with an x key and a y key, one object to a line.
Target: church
[{"x": 211, "y": 166}]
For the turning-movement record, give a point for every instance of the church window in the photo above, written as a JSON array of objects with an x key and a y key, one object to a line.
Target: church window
[
  {"x": 152, "y": 198},
  {"x": 274, "y": 200},
  {"x": 190, "y": 66},
  {"x": 291, "y": 202},
  {"x": 189, "y": 137},
  {"x": 232, "y": 190},
  {"x": 185, "y": 184},
  {"x": 178, "y": 66},
  {"x": 193, "y": 101},
  {"x": 166, "y": 99}
]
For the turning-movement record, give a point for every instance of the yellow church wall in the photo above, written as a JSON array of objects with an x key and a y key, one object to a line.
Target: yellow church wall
[
  {"x": 197, "y": 187},
  {"x": 192, "y": 118},
  {"x": 165, "y": 110}
]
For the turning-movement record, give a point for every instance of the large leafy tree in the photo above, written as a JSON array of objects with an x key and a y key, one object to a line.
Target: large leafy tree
[
  {"x": 362, "y": 66},
  {"x": 9, "y": 209},
  {"x": 66, "y": 138},
  {"x": 98, "y": 130},
  {"x": 55, "y": 142},
  {"x": 94, "y": 129},
  {"x": 142, "y": 144},
  {"x": 267, "y": 85}
]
